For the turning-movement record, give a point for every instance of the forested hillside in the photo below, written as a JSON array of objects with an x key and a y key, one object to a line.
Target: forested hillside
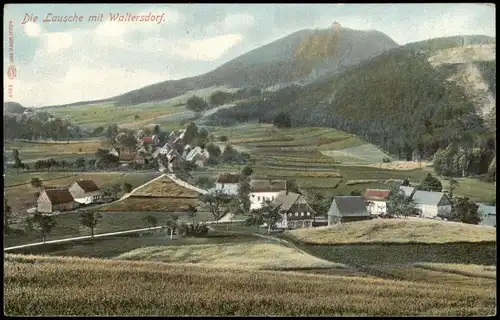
[
  {"x": 279, "y": 62},
  {"x": 397, "y": 101}
]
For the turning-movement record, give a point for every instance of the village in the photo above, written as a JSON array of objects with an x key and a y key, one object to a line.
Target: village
[{"x": 176, "y": 158}]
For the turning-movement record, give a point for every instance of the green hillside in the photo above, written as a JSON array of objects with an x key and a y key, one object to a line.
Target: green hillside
[{"x": 397, "y": 101}]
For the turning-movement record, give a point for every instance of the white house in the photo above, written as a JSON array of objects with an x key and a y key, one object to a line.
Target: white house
[
  {"x": 488, "y": 215},
  {"x": 261, "y": 190},
  {"x": 376, "y": 201},
  {"x": 85, "y": 191},
  {"x": 228, "y": 183},
  {"x": 199, "y": 156},
  {"x": 429, "y": 204}
]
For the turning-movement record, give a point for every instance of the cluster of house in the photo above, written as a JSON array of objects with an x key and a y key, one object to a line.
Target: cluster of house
[
  {"x": 80, "y": 192},
  {"x": 169, "y": 156},
  {"x": 297, "y": 213}
]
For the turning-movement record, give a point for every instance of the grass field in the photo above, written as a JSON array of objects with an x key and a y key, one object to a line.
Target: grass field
[
  {"x": 472, "y": 270},
  {"x": 394, "y": 231},
  {"x": 319, "y": 158},
  {"x": 166, "y": 187},
  {"x": 22, "y": 197},
  {"x": 31, "y": 150},
  {"x": 77, "y": 286},
  {"x": 266, "y": 256}
]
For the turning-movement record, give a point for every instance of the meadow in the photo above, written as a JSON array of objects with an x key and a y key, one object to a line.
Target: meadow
[
  {"x": 79, "y": 286},
  {"x": 325, "y": 160},
  {"x": 22, "y": 196},
  {"x": 30, "y": 151}
]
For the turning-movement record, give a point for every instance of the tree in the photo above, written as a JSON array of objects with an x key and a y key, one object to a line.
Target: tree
[
  {"x": 15, "y": 154},
  {"x": 111, "y": 133},
  {"x": 247, "y": 171},
  {"x": 18, "y": 165},
  {"x": 127, "y": 187},
  {"x": 218, "y": 204},
  {"x": 115, "y": 189},
  {"x": 255, "y": 219},
  {"x": 171, "y": 224},
  {"x": 156, "y": 129},
  {"x": 282, "y": 120},
  {"x": 400, "y": 204},
  {"x": 36, "y": 182},
  {"x": 42, "y": 223},
  {"x": 218, "y": 98},
  {"x": 243, "y": 197},
  {"x": 356, "y": 193},
  {"x": 205, "y": 182},
  {"x": 7, "y": 216},
  {"x": 150, "y": 221},
  {"x": 191, "y": 213},
  {"x": 223, "y": 138},
  {"x": 430, "y": 183},
  {"x": 196, "y": 105},
  {"x": 406, "y": 182},
  {"x": 465, "y": 211},
  {"x": 270, "y": 214},
  {"x": 191, "y": 133},
  {"x": 492, "y": 170},
  {"x": 127, "y": 140},
  {"x": 453, "y": 184},
  {"x": 291, "y": 186},
  {"x": 90, "y": 220},
  {"x": 80, "y": 163}
]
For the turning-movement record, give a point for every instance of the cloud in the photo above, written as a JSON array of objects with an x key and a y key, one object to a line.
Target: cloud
[
  {"x": 32, "y": 29},
  {"x": 231, "y": 23},
  {"x": 56, "y": 41},
  {"x": 208, "y": 49}
]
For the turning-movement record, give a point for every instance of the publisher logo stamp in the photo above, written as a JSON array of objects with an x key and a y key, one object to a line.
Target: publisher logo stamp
[{"x": 12, "y": 72}]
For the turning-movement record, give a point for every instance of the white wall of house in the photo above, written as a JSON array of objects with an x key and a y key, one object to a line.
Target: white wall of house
[
  {"x": 227, "y": 188},
  {"x": 431, "y": 211},
  {"x": 377, "y": 207},
  {"x": 88, "y": 199},
  {"x": 256, "y": 198}
]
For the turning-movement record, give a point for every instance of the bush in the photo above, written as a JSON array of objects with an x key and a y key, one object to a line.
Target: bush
[
  {"x": 386, "y": 160},
  {"x": 192, "y": 230},
  {"x": 223, "y": 138},
  {"x": 282, "y": 120}
]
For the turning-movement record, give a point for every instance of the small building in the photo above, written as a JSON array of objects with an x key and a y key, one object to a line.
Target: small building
[
  {"x": 228, "y": 183},
  {"x": 488, "y": 215},
  {"x": 376, "y": 201},
  {"x": 198, "y": 156},
  {"x": 347, "y": 209},
  {"x": 296, "y": 211},
  {"x": 115, "y": 152},
  {"x": 85, "y": 192},
  {"x": 163, "y": 150},
  {"x": 430, "y": 204},
  {"x": 51, "y": 200},
  {"x": 152, "y": 140},
  {"x": 261, "y": 190},
  {"x": 133, "y": 157}
]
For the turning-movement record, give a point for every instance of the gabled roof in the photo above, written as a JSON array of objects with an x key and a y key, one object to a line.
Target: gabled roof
[
  {"x": 149, "y": 140},
  {"x": 407, "y": 190},
  {"x": 377, "y": 194},
  {"x": 228, "y": 178},
  {"x": 61, "y": 195},
  {"x": 87, "y": 185},
  {"x": 267, "y": 185},
  {"x": 428, "y": 197},
  {"x": 195, "y": 152},
  {"x": 286, "y": 200},
  {"x": 487, "y": 210},
  {"x": 350, "y": 206}
]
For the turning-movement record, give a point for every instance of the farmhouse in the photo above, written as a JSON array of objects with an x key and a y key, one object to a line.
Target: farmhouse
[
  {"x": 134, "y": 157},
  {"x": 488, "y": 215},
  {"x": 261, "y": 190},
  {"x": 377, "y": 200},
  {"x": 296, "y": 212},
  {"x": 199, "y": 156},
  {"x": 85, "y": 191},
  {"x": 347, "y": 209},
  {"x": 228, "y": 183},
  {"x": 163, "y": 150},
  {"x": 429, "y": 204},
  {"x": 51, "y": 200}
]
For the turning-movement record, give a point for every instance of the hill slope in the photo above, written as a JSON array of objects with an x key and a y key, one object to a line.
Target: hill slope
[
  {"x": 275, "y": 63},
  {"x": 397, "y": 100}
]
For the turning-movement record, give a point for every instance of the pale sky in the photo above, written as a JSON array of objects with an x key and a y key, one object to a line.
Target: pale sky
[{"x": 65, "y": 62}]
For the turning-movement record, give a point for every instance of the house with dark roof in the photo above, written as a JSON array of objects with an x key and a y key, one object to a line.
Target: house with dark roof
[
  {"x": 347, "y": 209},
  {"x": 295, "y": 210},
  {"x": 228, "y": 183},
  {"x": 85, "y": 191},
  {"x": 261, "y": 190},
  {"x": 488, "y": 215},
  {"x": 51, "y": 200},
  {"x": 376, "y": 201},
  {"x": 430, "y": 204}
]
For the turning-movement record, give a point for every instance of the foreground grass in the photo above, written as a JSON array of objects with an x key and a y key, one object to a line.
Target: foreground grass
[
  {"x": 75, "y": 286},
  {"x": 247, "y": 255},
  {"x": 394, "y": 231}
]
